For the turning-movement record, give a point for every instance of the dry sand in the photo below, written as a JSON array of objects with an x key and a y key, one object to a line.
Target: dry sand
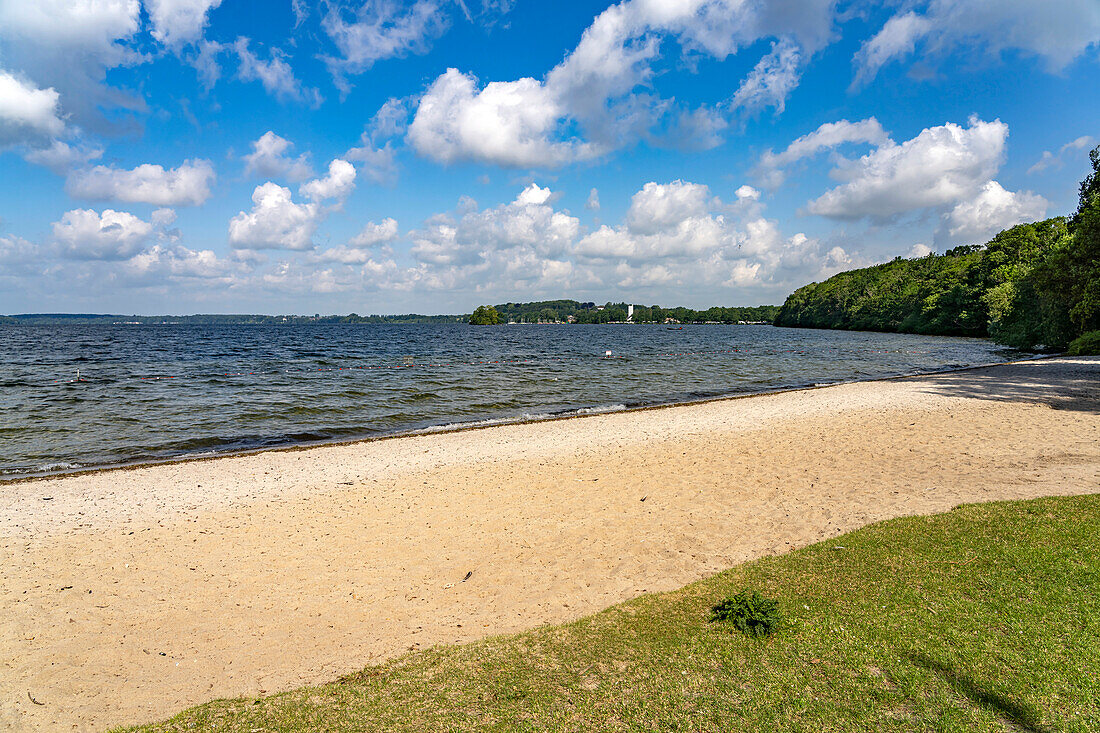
[{"x": 131, "y": 594}]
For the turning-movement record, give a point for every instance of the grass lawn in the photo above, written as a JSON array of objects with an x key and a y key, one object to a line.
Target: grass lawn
[{"x": 983, "y": 619}]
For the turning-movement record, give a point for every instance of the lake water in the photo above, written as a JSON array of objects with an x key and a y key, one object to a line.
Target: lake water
[{"x": 158, "y": 392}]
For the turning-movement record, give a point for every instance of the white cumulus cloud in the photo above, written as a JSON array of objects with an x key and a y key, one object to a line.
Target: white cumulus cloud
[
  {"x": 113, "y": 235},
  {"x": 270, "y": 159},
  {"x": 939, "y": 167},
  {"x": 373, "y": 235},
  {"x": 177, "y": 22},
  {"x": 187, "y": 185},
  {"x": 275, "y": 221},
  {"x": 658, "y": 206},
  {"x": 590, "y": 103},
  {"x": 507, "y": 123},
  {"x": 68, "y": 45},
  {"x": 976, "y": 220},
  {"x": 339, "y": 182},
  {"x": 28, "y": 115},
  {"x": 61, "y": 157}
]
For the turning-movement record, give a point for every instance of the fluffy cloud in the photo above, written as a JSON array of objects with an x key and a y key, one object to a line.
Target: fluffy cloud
[
  {"x": 269, "y": 159},
  {"x": 939, "y": 167},
  {"x": 659, "y": 206},
  {"x": 360, "y": 249},
  {"x": 507, "y": 123},
  {"x": 187, "y": 185},
  {"x": 673, "y": 235},
  {"x": 90, "y": 23},
  {"x": 68, "y": 46},
  {"x": 529, "y": 222},
  {"x": 339, "y": 182},
  {"x": 275, "y": 222},
  {"x": 61, "y": 157},
  {"x": 521, "y": 244},
  {"x": 113, "y": 235},
  {"x": 531, "y": 122},
  {"x": 373, "y": 235},
  {"x": 827, "y": 136},
  {"x": 976, "y": 220},
  {"x": 16, "y": 252},
  {"x": 275, "y": 75},
  {"x": 1057, "y": 32},
  {"x": 28, "y": 115},
  {"x": 947, "y": 170},
  {"x": 772, "y": 80},
  {"x": 379, "y": 30},
  {"x": 172, "y": 262},
  {"x": 177, "y": 22},
  {"x": 664, "y": 220}
]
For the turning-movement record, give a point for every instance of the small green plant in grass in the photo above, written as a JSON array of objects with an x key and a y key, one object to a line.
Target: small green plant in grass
[
  {"x": 1085, "y": 344},
  {"x": 750, "y": 613}
]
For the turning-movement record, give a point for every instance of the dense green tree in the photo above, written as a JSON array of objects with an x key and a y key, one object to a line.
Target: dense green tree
[
  {"x": 485, "y": 316},
  {"x": 1032, "y": 285},
  {"x": 1057, "y": 298}
]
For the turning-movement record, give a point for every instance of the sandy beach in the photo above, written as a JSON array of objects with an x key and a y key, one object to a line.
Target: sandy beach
[{"x": 127, "y": 595}]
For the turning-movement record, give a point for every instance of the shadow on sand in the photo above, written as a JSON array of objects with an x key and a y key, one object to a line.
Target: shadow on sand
[{"x": 1063, "y": 383}]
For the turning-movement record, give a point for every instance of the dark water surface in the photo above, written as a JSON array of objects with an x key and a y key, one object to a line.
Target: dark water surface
[{"x": 157, "y": 392}]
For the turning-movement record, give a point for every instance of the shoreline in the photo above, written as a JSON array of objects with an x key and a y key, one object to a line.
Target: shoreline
[
  {"x": 581, "y": 412},
  {"x": 133, "y": 594}
]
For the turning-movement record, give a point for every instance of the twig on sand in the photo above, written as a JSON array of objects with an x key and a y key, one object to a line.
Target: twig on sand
[{"x": 33, "y": 700}]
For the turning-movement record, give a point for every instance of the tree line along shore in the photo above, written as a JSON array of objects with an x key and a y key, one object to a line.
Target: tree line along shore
[{"x": 1034, "y": 286}]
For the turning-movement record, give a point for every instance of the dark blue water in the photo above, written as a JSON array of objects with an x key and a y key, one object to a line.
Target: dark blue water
[{"x": 158, "y": 392}]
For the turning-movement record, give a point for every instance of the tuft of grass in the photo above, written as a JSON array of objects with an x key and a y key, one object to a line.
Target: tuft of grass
[
  {"x": 750, "y": 613},
  {"x": 986, "y": 618}
]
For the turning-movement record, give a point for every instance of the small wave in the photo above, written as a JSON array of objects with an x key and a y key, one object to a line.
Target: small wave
[
  {"x": 44, "y": 468},
  {"x": 525, "y": 417},
  {"x": 58, "y": 466},
  {"x": 598, "y": 410}
]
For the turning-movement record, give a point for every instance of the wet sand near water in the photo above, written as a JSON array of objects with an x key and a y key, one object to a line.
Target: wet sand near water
[{"x": 128, "y": 595}]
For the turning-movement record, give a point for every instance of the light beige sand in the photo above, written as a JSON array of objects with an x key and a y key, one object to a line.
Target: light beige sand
[{"x": 134, "y": 593}]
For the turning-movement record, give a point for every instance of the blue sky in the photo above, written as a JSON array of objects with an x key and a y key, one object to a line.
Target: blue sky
[{"x": 284, "y": 156}]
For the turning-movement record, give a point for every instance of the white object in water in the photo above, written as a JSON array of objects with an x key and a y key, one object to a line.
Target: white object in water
[{"x": 607, "y": 354}]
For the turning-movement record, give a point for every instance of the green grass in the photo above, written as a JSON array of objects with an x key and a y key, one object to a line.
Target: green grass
[
  {"x": 983, "y": 619},
  {"x": 1085, "y": 345}
]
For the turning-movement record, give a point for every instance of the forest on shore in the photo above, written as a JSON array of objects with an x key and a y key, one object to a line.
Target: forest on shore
[
  {"x": 1034, "y": 286},
  {"x": 573, "y": 311}
]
